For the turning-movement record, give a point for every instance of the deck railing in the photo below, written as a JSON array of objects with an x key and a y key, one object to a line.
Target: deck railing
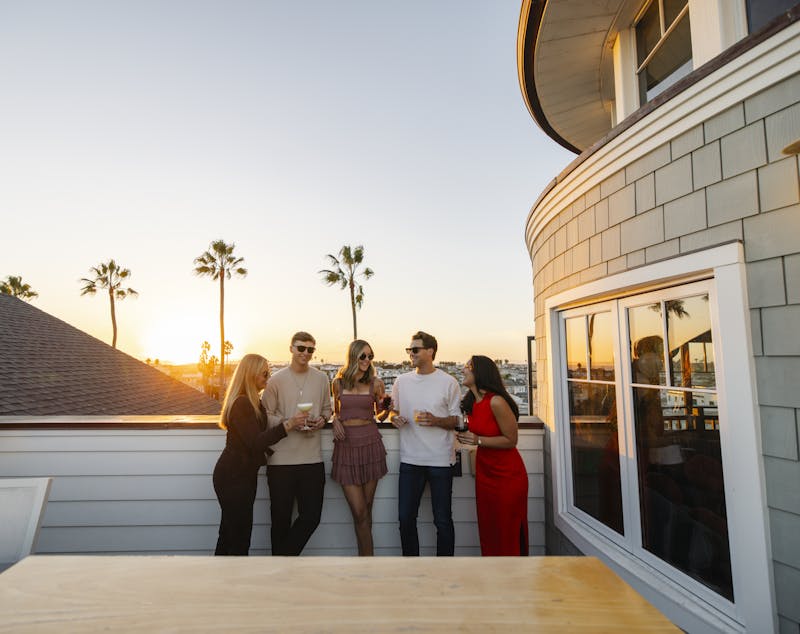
[{"x": 143, "y": 485}]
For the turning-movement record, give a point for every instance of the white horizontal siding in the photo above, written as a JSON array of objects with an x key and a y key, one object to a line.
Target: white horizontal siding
[{"x": 150, "y": 491}]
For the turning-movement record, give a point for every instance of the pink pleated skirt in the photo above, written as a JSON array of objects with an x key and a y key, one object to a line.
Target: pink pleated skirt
[{"x": 360, "y": 457}]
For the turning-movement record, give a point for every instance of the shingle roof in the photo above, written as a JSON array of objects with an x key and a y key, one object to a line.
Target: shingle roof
[{"x": 49, "y": 368}]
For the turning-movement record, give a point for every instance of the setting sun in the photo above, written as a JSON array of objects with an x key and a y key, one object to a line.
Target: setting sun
[{"x": 175, "y": 339}]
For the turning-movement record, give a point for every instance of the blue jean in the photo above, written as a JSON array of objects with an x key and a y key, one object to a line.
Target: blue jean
[{"x": 412, "y": 484}]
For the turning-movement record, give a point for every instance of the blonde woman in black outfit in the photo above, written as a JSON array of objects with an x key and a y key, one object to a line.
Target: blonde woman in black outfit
[{"x": 247, "y": 439}]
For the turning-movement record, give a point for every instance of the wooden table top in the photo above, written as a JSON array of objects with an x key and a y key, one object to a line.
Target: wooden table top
[{"x": 320, "y": 594}]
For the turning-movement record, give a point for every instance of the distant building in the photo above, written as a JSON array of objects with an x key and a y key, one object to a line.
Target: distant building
[
  {"x": 666, "y": 273},
  {"x": 49, "y": 368}
]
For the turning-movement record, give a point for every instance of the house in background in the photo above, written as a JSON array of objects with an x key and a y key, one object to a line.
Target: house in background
[
  {"x": 666, "y": 272},
  {"x": 49, "y": 368}
]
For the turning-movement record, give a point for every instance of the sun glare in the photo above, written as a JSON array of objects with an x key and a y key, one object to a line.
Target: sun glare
[{"x": 174, "y": 340}]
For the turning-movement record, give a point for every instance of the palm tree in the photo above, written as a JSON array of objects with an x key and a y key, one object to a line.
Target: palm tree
[
  {"x": 14, "y": 286},
  {"x": 110, "y": 276},
  {"x": 344, "y": 271},
  {"x": 219, "y": 263}
]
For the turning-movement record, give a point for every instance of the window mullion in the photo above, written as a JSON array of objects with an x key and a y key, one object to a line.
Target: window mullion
[
  {"x": 630, "y": 508},
  {"x": 564, "y": 443},
  {"x": 665, "y": 346}
]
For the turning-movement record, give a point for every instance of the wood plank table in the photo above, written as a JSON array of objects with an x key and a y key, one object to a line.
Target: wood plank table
[{"x": 320, "y": 594}]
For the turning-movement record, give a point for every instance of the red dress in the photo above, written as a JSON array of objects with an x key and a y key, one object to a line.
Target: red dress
[{"x": 501, "y": 489}]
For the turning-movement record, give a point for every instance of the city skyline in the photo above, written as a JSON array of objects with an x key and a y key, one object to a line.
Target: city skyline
[{"x": 142, "y": 132}]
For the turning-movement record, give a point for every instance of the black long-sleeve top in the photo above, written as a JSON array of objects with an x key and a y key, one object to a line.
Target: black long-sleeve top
[{"x": 248, "y": 437}]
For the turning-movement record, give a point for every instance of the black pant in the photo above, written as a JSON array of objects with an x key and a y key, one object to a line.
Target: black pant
[
  {"x": 236, "y": 491},
  {"x": 304, "y": 483}
]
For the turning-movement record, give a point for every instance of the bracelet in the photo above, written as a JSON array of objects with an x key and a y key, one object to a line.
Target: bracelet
[{"x": 479, "y": 441}]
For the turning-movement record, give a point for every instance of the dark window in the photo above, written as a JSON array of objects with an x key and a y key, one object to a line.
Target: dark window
[
  {"x": 663, "y": 46},
  {"x": 760, "y": 12}
]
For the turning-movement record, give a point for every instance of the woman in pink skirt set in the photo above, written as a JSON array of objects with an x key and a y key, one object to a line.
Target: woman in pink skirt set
[{"x": 359, "y": 457}]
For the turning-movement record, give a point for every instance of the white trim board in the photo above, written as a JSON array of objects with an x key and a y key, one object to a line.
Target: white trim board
[{"x": 22, "y": 504}]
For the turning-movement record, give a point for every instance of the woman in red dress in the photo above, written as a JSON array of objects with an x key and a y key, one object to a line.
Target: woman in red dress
[{"x": 501, "y": 480}]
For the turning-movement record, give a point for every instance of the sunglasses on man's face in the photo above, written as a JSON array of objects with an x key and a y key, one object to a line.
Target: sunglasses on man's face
[
  {"x": 310, "y": 349},
  {"x": 364, "y": 355},
  {"x": 415, "y": 349}
]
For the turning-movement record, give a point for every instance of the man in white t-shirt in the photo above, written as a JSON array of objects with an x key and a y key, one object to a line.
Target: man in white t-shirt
[{"x": 428, "y": 406}]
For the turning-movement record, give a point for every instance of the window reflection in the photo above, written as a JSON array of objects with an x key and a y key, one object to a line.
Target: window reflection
[
  {"x": 690, "y": 343},
  {"x": 646, "y": 327},
  {"x": 576, "y": 347},
  {"x": 596, "y": 481},
  {"x": 682, "y": 497},
  {"x": 601, "y": 347}
]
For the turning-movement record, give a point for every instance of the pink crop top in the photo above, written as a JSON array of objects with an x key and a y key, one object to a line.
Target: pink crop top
[{"x": 361, "y": 406}]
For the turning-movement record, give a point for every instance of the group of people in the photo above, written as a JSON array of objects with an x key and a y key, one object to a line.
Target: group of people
[{"x": 275, "y": 420}]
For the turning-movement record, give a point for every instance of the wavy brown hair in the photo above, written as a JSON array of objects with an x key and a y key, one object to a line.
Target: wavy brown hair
[{"x": 347, "y": 373}]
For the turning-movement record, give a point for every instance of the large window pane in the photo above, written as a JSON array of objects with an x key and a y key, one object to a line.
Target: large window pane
[
  {"x": 648, "y": 32},
  {"x": 691, "y": 348},
  {"x": 760, "y": 12},
  {"x": 682, "y": 497},
  {"x": 673, "y": 55},
  {"x": 672, "y": 9},
  {"x": 595, "y": 452},
  {"x": 601, "y": 347},
  {"x": 576, "y": 347},
  {"x": 646, "y": 327}
]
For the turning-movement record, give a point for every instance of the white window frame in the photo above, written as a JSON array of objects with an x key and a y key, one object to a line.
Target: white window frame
[
  {"x": 564, "y": 445},
  {"x": 692, "y": 607},
  {"x": 715, "y": 26}
]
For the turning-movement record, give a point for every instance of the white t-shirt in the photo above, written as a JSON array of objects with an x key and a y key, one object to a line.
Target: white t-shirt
[{"x": 437, "y": 393}]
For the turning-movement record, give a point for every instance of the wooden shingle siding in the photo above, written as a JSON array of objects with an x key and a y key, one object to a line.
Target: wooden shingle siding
[{"x": 150, "y": 491}]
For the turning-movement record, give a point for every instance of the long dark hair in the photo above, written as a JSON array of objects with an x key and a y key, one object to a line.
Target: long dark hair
[{"x": 487, "y": 378}]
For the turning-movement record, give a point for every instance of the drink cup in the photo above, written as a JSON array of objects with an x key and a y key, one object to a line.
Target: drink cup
[
  {"x": 418, "y": 415},
  {"x": 305, "y": 408}
]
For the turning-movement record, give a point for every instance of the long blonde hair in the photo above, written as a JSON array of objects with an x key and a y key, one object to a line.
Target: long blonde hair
[
  {"x": 244, "y": 383},
  {"x": 347, "y": 373}
]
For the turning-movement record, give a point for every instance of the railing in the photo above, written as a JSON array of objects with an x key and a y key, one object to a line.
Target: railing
[{"x": 143, "y": 485}]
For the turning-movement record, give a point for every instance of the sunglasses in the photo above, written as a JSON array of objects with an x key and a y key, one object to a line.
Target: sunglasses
[
  {"x": 265, "y": 374},
  {"x": 364, "y": 355},
  {"x": 415, "y": 349},
  {"x": 310, "y": 349}
]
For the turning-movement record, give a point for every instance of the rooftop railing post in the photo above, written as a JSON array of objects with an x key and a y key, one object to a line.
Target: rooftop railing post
[{"x": 531, "y": 376}]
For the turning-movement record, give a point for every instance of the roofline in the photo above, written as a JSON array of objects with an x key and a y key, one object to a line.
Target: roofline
[{"x": 530, "y": 20}]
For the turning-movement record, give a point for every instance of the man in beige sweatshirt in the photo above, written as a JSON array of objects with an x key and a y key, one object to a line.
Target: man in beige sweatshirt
[{"x": 295, "y": 471}]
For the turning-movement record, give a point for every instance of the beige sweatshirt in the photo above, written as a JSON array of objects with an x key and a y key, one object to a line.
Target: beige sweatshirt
[{"x": 285, "y": 389}]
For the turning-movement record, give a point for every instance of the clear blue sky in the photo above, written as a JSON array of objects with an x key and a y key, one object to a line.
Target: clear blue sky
[{"x": 142, "y": 130}]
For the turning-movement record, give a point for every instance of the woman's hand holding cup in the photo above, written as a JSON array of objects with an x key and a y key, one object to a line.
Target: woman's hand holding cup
[{"x": 467, "y": 438}]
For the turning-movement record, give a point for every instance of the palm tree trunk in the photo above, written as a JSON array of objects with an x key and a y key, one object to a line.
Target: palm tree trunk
[
  {"x": 353, "y": 308},
  {"x": 221, "y": 332},
  {"x": 113, "y": 318}
]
